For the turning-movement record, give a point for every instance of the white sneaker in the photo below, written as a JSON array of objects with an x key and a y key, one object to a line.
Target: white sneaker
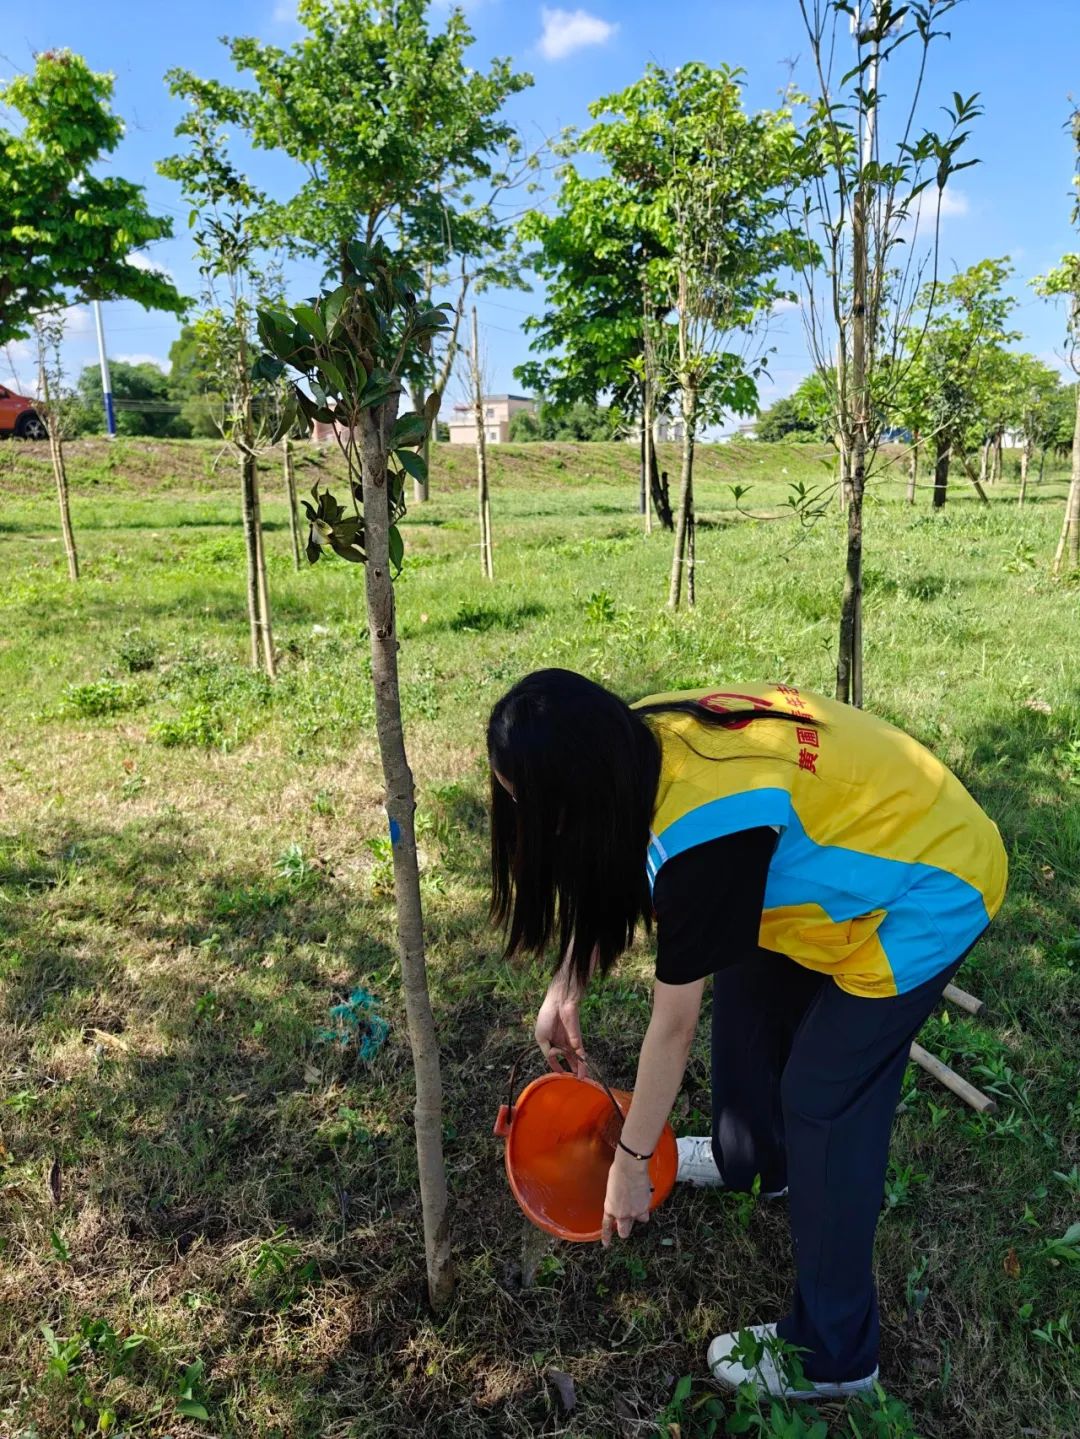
[
  {"x": 697, "y": 1166},
  {"x": 767, "y": 1375}
]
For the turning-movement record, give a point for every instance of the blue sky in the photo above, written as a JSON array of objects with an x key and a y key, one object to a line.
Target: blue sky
[{"x": 1023, "y": 59}]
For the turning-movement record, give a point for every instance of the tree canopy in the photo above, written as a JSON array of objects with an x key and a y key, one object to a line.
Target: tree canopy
[
  {"x": 66, "y": 234},
  {"x": 387, "y": 120}
]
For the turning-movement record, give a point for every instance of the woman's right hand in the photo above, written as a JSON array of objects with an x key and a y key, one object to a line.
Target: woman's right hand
[{"x": 558, "y": 1026}]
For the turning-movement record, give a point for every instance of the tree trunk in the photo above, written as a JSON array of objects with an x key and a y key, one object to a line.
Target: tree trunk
[
  {"x": 942, "y": 455},
  {"x": 290, "y": 492},
  {"x": 1025, "y": 465},
  {"x": 686, "y": 496},
  {"x": 849, "y": 672},
  {"x": 691, "y": 555},
  {"x": 661, "y": 497},
  {"x": 648, "y": 459},
  {"x": 1042, "y": 464},
  {"x": 913, "y": 471},
  {"x": 400, "y": 809},
  {"x": 56, "y": 454},
  {"x": 420, "y": 487},
  {"x": 486, "y": 558},
  {"x": 1069, "y": 543},
  {"x": 251, "y": 552},
  {"x": 984, "y": 461},
  {"x": 845, "y": 473},
  {"x": 972, "y": 476},
  {"x": 262, "y": 588},
  {"x": 999, "y": 440}
]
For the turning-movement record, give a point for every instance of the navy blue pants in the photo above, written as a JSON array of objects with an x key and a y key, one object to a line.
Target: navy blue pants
[{"x": 805, "y": 1083}]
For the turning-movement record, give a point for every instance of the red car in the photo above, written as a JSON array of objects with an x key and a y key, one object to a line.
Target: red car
[{"x": 19, "y": 418}]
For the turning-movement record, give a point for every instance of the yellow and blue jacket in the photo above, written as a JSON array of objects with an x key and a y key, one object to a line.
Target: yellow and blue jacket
[{"x": 885, "y": 869}]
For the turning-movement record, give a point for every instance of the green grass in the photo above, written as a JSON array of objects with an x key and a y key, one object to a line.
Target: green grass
[{"x": 205, "y": 1208}]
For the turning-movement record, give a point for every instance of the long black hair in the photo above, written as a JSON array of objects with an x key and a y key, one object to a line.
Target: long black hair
[{"x": 568, "y": 847}]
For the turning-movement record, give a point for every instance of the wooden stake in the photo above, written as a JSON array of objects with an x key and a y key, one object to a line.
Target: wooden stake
[
  {"x": 960, "y": 997},
  {"x": 980, "y": 1102}
]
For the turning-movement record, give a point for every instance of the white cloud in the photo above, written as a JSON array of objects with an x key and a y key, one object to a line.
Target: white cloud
[
  {"x": 78, "y": 320},
  {"x": 784, "y": 306},
  {"x": 284, "y": 12},
  {"x": 143, "y": 359},
  {"x": 18, "y": 367},
  {"x": 568, "y": 30},
  {"x": 144, "y": 262},
  {"x": 954, "y": 203}
]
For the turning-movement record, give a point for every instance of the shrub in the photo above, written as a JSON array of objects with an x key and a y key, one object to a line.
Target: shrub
[
  {"x": 98, "y": 698},
  {"x": 199, "y": 724},
  {"x": 136, "y": 652}
]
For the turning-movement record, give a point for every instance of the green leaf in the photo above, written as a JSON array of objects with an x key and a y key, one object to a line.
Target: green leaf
[
  {"x": 409, "y": 432},
  {"x": 191, "y": 1409},
  {"x": 682, "y": 1390},
  {"x": 330, "y": 372},
  {"x": 276, "y": 332},
  {"x": 267, "y": 367},
  {"x": 380, "y": 384},
  {"x": 287, "y": 420},
  {"x": 431, "y": 408},
  {"x": 412, "y": 464},
  {"x": 333, "y": 306},
  {"x": 312, "y": 410},
  {"x": 311, "y": 321},
  {"x": 397, "y": 548}
]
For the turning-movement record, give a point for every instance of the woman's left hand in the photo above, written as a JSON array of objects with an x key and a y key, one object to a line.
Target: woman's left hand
[{"x": 628, "y": 1195}]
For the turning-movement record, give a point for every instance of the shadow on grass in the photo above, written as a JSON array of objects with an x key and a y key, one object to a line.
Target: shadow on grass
[{"x": 160, "y": 1016}]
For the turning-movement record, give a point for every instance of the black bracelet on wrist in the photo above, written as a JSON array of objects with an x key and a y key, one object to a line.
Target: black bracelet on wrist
[{"x": 633, "y": 1152}]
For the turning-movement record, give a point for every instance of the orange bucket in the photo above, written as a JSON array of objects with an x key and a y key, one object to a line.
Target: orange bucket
[{"x": 560, "y": 1140}]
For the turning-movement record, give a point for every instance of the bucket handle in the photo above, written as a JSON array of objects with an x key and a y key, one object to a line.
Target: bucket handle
[{"x": 507, "y": 1112}]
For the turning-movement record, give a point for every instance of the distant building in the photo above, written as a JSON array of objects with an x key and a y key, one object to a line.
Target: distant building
[
  {"x": 499, "y": 410},
  {"x": 665, "y": 430}
]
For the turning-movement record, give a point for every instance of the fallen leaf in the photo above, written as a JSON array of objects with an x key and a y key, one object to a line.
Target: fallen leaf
[
  {"x": 311, "y": 1075},
  {"x": 1012, "y": 1265},
  {"x": 564, "y": 1388},
  {"x": 1047, "y": 871},
  {"x": 110, "y": 1041},
  {"x": 54, "y": 1181},
  {"x": 129, "y": 764},
  {"x": 1039, "y": 706}
]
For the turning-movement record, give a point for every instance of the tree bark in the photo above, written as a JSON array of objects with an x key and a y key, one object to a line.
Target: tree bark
[
  {"x": 942, "y": 455},
  {"x": 648, "y": 458},
  {"x": 1069, "y": 543},
  {"x": 913, "y": 470},
  {"x": 849, "y": 662},
  {"x": 1025, "y": 465},
  {"x": 421, "y": 488},
  {"x": 686, "y": 496},
  {"x": 290, "y": 492},
  {"x": 251, "y": 554},
  {"x": 487, "y": 562},
  {"x": 999, "y": 440},
  {"x": 691, "y": 555},
  {"x": 845, "y": 473},
  {"x": 972, "y": 476},
  {"x": 262, "y": 588},
  {"x": 400, "y": 810},
  {"x": 984, "y": 461},
  {"x": 56, "y": 454}
]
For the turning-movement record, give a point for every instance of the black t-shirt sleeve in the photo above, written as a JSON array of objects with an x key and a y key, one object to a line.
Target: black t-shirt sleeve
[{"x": 708, "y": 902}]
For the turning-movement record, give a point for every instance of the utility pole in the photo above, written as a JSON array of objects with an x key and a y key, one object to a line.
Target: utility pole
[{"x": 106, "y": 383}]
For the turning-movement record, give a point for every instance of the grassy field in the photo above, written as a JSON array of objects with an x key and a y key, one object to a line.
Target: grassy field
[{"x": 209, "y": 1208}]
